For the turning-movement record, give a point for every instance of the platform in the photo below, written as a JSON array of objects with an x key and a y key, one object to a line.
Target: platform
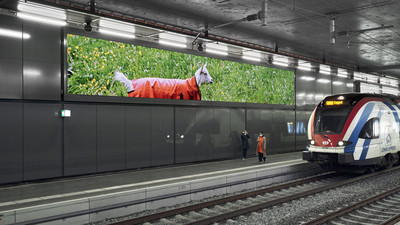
[{"x": 32, "y": 201}]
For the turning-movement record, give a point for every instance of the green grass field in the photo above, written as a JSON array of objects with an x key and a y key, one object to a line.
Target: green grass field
[{"x": 92, "y": 63}]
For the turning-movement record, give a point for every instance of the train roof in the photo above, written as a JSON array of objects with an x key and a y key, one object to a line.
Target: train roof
[
  {"x": 350, "y": 99},
  {"x": 358, "y": 96}
]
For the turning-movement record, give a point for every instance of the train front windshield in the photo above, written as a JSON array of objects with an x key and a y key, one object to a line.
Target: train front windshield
[{"x": 329, "y": 120}]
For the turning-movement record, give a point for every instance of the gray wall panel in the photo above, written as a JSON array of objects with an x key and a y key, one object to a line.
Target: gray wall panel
[
  {"x": 276, "y": 138},
  {"x": 238, "y": 123},
  {"x": 185, "y": 134},
  {"x": 44, "y": 45},
  {"x": 204, "y": 137},
  {"x": 42, "y": 80},
  {"x": 10, "y": 78},
  {"x": 11, "y": 47},
  {"x": 162, "y": 135},
  {"x": 138, "y": 137},
  {"x": 222, "y": 134},
  {"x": 11, "y": 167},
  {"x": 288, "y": 138},
  {"x": 42, "y": 62},
  {"x": 110, "y": 138},
  {"x": 42, "y": 141},
  {"x": 80, "y": 140},
  {"x": 10, "y": 59},
  {"x": 268, "y": 127},
  {"x": 253, "y": 127}
]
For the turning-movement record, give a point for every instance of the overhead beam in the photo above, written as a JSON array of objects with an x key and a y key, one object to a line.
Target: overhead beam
[{"x": 380, "y": 68}]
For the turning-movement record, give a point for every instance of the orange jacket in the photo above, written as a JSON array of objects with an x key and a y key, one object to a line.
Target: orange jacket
[{"x": 165, "y": 88}]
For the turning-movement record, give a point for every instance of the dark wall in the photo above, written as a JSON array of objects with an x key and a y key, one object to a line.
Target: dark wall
[{"x": 37, "y": 143}]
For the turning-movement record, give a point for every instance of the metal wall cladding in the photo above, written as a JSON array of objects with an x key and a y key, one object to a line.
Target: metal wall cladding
[
  {"x": 238, "y": 124},
  {"x": 138, "y": 136},
  {"x": 11, "y": 130},
  {"x": 204, "y": 134},
  {"x": 80, "y": 140},
  {"x": 111, "y": 128},
  {"x": 222, "y": 134},
  {"x": 302, "y": 118},
  {"x": 185, "y": 134},
  {"x": 162, "y": 135},
  {"x": 42, "y": 138},
  {"x": 10, "y": 60},
  {"x": 42, "y": 62}
]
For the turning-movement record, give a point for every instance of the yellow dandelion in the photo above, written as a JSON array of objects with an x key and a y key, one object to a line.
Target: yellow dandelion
[
  {"x": 140, "y": 52},
  {"x": 77, "y": 47},
  {"x": 108, "y": 82},
  {"x": 111, "y": 52},
  {"x": 80, "y": 85},
  {"x": 84, "y": 85},
  {"x": 91, "y": 85}
]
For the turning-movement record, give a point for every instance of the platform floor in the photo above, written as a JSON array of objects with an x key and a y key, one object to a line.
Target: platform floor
[{"x": 35, "y": 193}]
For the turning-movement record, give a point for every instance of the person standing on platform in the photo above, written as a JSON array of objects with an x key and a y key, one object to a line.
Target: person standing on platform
[
  {"x": 261, "y": 147},
  {"x": 245, "y": 143}
]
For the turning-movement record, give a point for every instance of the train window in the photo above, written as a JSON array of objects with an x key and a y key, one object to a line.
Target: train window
[
  {"x": 330, "y": 120},
  {"x": 371, "y": 129}
]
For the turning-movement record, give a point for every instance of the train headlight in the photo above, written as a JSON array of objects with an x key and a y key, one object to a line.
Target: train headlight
[
  {"x": 312, "y": 142},
  {"x": 344, "y": 143}
]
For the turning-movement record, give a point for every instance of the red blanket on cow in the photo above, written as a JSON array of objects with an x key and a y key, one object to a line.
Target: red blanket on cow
[{"x": 165, "y": 88}]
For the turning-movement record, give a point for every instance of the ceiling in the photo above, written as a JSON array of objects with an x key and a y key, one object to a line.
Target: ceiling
[{"x": 294, "y": 27}]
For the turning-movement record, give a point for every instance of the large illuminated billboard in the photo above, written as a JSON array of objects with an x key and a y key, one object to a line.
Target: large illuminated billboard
[{"x": 109, "y": 68}]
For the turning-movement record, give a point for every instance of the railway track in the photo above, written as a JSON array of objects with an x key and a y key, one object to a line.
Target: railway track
[
  {"x": 234, "y": 206},
  {"x": 382, "y": 209},
  {"x": 227, "y": 208}
]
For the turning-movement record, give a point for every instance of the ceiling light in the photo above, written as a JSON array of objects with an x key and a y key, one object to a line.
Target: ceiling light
[
  {"x": 172, "y": 37},
  {"x": 218, "y": 49},
  {"x": 41, "y": 19},
  {"x": 116, "y": 33},
  {"x": 116, "y": 28},
  {"x": 43, "y": 10},
  {"x": 41, "y": 13},
  {"x": 325, "y": 72},
  {"x": 172, "y": 40},
  {"x": 342, "y": 73},
  {"x": 304, "y": 68},
  {"x": 14, "y": 34},
  {"x": 280, "y": 63},
  {"x": 252, "y": 56},
  {"x": 170, "y": 43}
]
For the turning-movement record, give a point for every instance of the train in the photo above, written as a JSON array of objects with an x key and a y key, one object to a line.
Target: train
[{"x": 355, "y": 131}]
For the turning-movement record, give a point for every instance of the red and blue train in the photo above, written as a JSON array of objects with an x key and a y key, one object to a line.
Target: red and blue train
[{"x": 360, "y": 131}]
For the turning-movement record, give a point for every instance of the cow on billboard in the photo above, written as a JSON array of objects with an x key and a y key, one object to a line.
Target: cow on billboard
[{"x": 150, "y": 87}]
